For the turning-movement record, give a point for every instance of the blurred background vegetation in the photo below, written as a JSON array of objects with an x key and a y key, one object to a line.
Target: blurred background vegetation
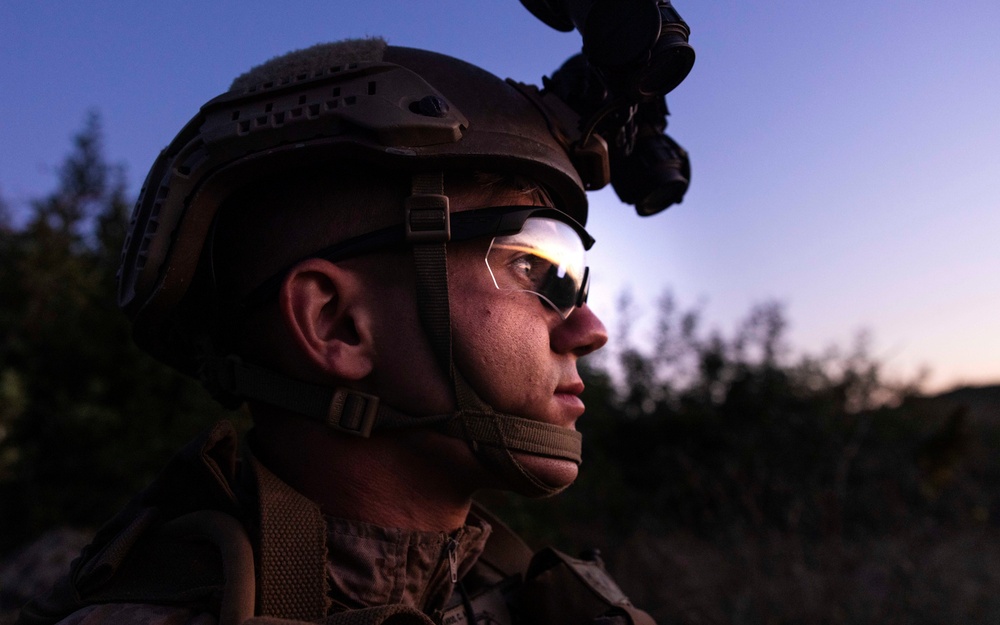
[{"x": 727, "y": 478}]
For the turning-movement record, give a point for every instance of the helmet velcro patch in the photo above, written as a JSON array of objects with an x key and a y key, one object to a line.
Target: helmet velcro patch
[{"x": 315, "y": 60}]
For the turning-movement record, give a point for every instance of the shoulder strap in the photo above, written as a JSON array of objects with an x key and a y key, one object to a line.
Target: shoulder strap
[
  {"x": 506, "y": 552},
  {"x": 292, "y": 548},
  {"x": 562, "y": 589}
]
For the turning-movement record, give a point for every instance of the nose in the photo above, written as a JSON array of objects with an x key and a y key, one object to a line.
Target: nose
[{"x": 581, "y": 333}]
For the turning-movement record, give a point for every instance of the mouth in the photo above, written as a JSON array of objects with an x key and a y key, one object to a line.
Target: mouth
[
  {"x": 574, "y": 387},
  {"x": 567, "y": 396}
]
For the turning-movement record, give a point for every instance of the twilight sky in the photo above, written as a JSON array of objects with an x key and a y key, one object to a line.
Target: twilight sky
[{"x": 845, "y": 156}]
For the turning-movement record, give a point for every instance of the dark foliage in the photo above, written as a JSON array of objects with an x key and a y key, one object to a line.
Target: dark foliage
[
  {"x": 720, "y": 436},
  {"x": 85, "y": 417}
]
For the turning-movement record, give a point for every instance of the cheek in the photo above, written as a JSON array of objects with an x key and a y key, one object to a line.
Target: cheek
[
  {"x": 407, "y": 373},
  {"x": 501, "y": 349},
  {"x": 501, "y": 340}
]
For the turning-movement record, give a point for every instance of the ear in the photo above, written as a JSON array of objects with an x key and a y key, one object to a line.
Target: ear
[{"x": 323, "y": 308}]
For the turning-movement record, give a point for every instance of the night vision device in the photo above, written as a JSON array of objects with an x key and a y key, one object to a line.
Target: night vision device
[{"x": 634, "y": 53}]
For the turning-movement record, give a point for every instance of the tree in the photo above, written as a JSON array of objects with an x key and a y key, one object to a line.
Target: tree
[{"x": 85, "y": 417}]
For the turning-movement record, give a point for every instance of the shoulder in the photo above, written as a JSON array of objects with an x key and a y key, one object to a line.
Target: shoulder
[{"x": 137, "y": 614}]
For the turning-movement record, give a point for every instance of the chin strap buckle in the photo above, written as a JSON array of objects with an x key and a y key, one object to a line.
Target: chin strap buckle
[
  {"x": 352, "y": 412},
  {"x": 341, "y": 409}
]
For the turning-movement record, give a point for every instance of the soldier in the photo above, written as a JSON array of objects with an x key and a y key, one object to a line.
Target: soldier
[{"x": 381, "y": 251}]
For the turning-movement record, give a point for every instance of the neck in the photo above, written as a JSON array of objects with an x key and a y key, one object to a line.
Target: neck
[{"x": 410, "y": 479}]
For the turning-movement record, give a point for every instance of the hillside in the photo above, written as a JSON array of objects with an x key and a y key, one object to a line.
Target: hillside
[{"x": 981, "y": 403}]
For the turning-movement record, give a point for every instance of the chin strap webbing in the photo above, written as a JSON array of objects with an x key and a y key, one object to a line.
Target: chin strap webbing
[
  {"x": 341, "y": 409},
  {"x": 428, "y": 229},
  {"x": 495, "y": 436},
  {"x": 353, "y": 412},
  {"x": 503, "y": 431},
  {"x": 491, "y": 435}
]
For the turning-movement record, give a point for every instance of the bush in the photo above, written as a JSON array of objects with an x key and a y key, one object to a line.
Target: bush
[{"x": 86, "y": 418}]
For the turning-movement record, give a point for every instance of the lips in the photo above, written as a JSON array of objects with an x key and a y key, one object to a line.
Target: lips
[
  {"x": 570, "y": 404},
  {"x": 574, "y": 388}
]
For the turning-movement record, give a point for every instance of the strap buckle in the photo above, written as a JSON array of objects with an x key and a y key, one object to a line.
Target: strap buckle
[
  {"x": 427, "y": 218},
  {"x": 352, "y": 412}
]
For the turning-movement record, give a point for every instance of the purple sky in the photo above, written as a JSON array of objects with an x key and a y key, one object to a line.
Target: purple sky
[{"x": 845, "y": 155}]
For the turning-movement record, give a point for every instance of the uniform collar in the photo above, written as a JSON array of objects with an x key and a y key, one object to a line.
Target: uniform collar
[{"x": 368, "y": 565}]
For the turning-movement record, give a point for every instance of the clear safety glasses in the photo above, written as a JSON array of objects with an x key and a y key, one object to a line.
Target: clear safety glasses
[
  {"x": 535, "y": 249},
  {"x": 545, "y": 258}
]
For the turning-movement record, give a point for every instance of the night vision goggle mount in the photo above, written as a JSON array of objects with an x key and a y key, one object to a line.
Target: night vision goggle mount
[{"x": 634, "y": 53}]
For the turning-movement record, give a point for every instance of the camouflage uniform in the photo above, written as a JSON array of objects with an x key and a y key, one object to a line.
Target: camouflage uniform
[{"x": 350, "y": 572}]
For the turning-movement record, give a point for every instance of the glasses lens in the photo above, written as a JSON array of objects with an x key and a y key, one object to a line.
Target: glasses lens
[{"x": 545, "y": 258}]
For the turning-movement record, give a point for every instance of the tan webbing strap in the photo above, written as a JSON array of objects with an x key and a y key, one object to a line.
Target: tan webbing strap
[
  {"x": 488, "y": 607},
  {"x": 520, "y": 479},
  {"x": 341, "y": 409},
  {"x": 495, "y": 436},
  {"x": 428, "y": 228},
  {"x": 431, "y": 264},
  {"x": 292, "y": 559},
  {"x": 353, "y": 412},
  {"x": 245, "y": 379},
  {"x": 517, "y": 434},
  {"x": 505, "y": 551},
  {"x": 562, "y": 589}
]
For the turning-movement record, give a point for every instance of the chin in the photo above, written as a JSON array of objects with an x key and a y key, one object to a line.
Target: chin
[{"x": 556, "y": 473}]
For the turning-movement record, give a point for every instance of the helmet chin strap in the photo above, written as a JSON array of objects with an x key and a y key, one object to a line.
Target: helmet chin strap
[{"x": 493, "y": 436}]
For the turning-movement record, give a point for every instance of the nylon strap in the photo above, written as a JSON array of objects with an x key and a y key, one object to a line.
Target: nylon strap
[
  {"x": 340, "y": 409},
  {"x": 428, "y": 228},
  {"x": 292, "y": 554},
  {"x": 516, "y": 433},
  {"x": 491, "y": 435},
  {"x": 505, "y": 550}
]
